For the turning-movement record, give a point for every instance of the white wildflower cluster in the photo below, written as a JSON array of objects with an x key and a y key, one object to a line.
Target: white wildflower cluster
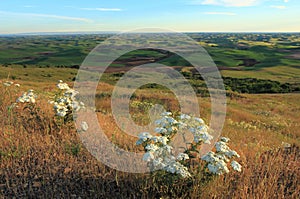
[
  {"x": 27, "y": 97},
  {"x": 65, "y": 103},
  {"x": 84, "y": 126},
  {"x": 217, "y": 161},
  {"x": 197, "y": 127},
  {"x": 159, "y": 154},
  {"x": 158, "y": 151},
  {"x": 10, "y": 83}
]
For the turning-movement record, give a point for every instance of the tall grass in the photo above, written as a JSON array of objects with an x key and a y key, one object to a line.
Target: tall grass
[{"x": 40, "y": 159}]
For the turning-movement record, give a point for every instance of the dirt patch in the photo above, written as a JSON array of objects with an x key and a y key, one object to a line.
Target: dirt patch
[
  {"x": 46, "y": 53},
  {"x": 248, "y": 62},
  {"x": 295, "y": 55},
  {"x": 229, "y": 68}
]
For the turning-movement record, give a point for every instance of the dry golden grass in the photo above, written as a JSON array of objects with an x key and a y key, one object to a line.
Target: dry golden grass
[{"x": 40, "y": 159}]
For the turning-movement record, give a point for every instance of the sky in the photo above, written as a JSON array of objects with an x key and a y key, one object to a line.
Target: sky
[{"x": 27, "y": 16}]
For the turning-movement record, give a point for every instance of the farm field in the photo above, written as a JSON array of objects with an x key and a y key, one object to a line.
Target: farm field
[{"x": 42, "y": 155}]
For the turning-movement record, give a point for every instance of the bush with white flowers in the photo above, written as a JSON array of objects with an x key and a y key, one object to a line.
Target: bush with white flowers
[
  {"x": 217, "y": 161},
  {"x": 65, "y": 102},
  {"x": 27, "y": 97},
  {"x": 159, "y": 153}
]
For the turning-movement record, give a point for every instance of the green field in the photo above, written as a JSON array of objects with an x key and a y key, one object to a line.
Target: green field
[{"x": 265, "y": 56}]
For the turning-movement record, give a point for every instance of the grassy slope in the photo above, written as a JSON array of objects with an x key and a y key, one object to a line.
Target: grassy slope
[
  {"x": 39, "y": 75},
  {"x": 278, "y": 73},
  {"x": 52, "y": 162}
]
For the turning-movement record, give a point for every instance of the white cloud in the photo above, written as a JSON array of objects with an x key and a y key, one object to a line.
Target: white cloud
[
  {"x": 227, "y": 3},
  {"x": 103, "y": 9},
  {"x": 278, "y": 7},
  {"x": 47, "y": 16},
  {"x": 285, "y": 1},
  {"x": 220, "y": 13}
]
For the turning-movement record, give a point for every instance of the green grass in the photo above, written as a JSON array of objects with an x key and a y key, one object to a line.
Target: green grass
[
  {"x": 283, "y": 74},
  {"x": 33, "y": 74}
]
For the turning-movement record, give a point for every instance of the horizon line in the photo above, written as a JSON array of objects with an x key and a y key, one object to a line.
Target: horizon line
[{"x": 116, "y": 32}]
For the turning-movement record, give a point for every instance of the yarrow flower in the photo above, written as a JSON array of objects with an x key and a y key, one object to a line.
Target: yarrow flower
[
  {"x": 66, "y": 102},
  {"x": 8, "y": 83},
  {"x": 236, "y": 166},
  {"x": 84, "y": 126},
  {"x": 217, "y": 162},
  {"x": 182, "y": 156},
  {"x": 63, "y": 86},
  {"x": 27, "y": 97},
  {"x": 159, "y": 154}
]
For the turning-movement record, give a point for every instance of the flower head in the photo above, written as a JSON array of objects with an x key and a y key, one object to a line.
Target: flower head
[
  {"x": 236, "y": 166},
  {"x": 8, "y": 83},
  {"x": 148, "y": 156},
  {"x": 84, "y": 126},
  {"x": 182, "y": 156},
  {"x": 27, "y": 97},
  {"x": 160, "y": 154},
  {"x": 62, "y": 86}
]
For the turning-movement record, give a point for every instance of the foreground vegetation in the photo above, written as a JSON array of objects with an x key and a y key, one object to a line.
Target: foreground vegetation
[{"x": 40, "y": 158}]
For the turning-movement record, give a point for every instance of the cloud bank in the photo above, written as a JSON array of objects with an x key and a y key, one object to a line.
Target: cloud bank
[{"x": 228, "y": 3}]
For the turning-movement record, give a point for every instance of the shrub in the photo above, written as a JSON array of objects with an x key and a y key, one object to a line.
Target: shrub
[{"x": 159, "y": 153}]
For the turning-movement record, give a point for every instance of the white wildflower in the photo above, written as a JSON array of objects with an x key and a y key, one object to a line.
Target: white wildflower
[
  {"x": 27, "y": 97},
  {"x": 145, "y": 136},
  {"x": 159, "y": 163},
  {"x": 171, "y": 120},
  {"x": 148, "y": 156},
  {"x": 160, "y": 130},
  {"x": 151, "y": 147},
  {"x": 182, "y": 156},
  {"x": 236, "y": 166},
  {"x": 199, "y": 120},
  {"x": 168, "y": 148},
  {"x": 210, "y": 157},
  {"x": 172, "y": 129},
  {"x": 66, "y": 103},
  {"x": 166, "y": 114},
  {"x": 8, "y": 83},
  {"x": 159, "y": 154},
  {"x": 184, "y": 173},
  {"x": 222, "y": 166},
  {"x": 222, "y": 156},
  {"x": 164, "y": 140},
  {"x": 217, "y": 162},
  {"x": 184, "y": 117},
  {"x": 84, "y": 126},
  {"x": 139, "y": 142},
  {"x": 62, "y": 86},
  {"x": 221, "y": 147},
  {"x": 232, "y": 153}
]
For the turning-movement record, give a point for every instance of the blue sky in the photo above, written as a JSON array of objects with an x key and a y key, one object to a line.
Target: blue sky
[{"x": 21, "y": 16}]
